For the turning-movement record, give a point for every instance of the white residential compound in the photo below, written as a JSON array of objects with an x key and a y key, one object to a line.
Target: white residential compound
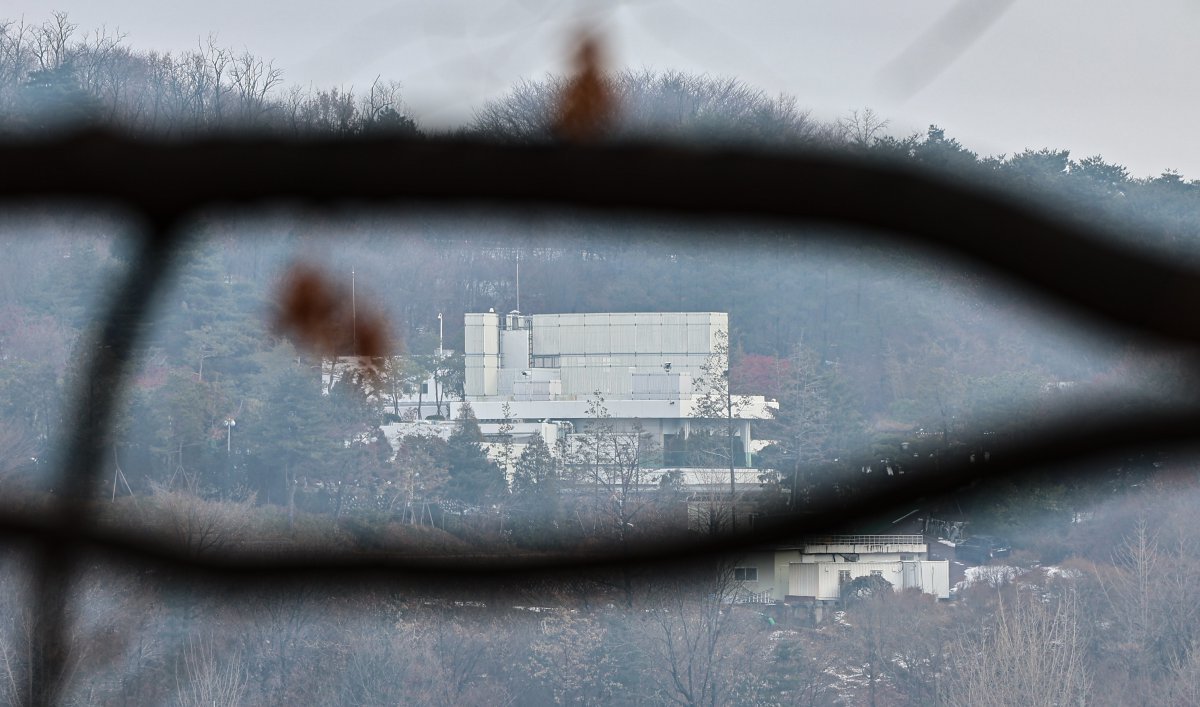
[
  {"x": 557, "y": 373},
  {"x": 817, "y": 568}
]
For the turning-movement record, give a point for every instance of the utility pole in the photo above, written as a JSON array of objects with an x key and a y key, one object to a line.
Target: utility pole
[{"x": 353, "y": 317}]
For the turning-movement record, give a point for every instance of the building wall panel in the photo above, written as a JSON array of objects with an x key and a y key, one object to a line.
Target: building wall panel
[
  {"x": 622, "y": 338},
  {"x": 804, "y": 579},
  {"x": 647, "y": 337}
]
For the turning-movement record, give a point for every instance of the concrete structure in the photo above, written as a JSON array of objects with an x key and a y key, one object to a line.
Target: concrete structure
[
  {"x": 546, "y": 357},
  {"x": 557, "y": 372},
  {"x": 815, "y": 569}
]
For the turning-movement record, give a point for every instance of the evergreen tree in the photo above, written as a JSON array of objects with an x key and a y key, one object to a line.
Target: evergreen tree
[
  {"x": 52, "y": 99},
  {"x": 536, "y": 486},
  {"x": 290, "y": 437},
  {"x": 473, "y": 477}
]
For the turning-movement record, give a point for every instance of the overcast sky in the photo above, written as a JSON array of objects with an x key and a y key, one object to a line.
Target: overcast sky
[{"x": 1110, "y": 77}]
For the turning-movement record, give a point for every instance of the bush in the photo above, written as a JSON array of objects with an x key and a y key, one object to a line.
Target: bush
[{"x": 864, "y": 588}]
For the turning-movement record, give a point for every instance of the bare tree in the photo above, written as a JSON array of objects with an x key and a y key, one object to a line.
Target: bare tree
[
  {"x": 862, "y": 128},
  {"x": 108, "y": 612},
  {"x": 671, "y": 105},
  {"x": 899, "y": 639},
  {"x": 207, "y": 88},
  {"x": 277, "y": 627},
  {"x": 209, "y": 679},
  {"x": 16, "y": 57},
  {"x": 800, "y": 668},
  {"x": 213, "y": 62},
  {"x": 252, "y": 81},
  {"x": 610, "y": 462},
  {"x": 99, "y": 69},
  {"x": 802, "y": 421},
  {"x": 383, "y": 109},
  {"x": 701, "y": 650},
  {"x": 1030, "y": 652},
  {"x": 1152, "y": 597},
  {"x": 201, "y": 526},
  {"x": 1182, "y": 687},
  {"x": 52, "y": 42},
  {"x": 718, "y": 411},
  {"x": 570, "y": 658}
]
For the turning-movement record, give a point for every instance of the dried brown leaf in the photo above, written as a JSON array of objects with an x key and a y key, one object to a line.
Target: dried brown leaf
[
  {"x": 587, "y": 105},
  {"x": 320, "y": 316}
]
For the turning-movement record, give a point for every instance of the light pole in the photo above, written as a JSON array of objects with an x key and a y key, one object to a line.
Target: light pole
[
  {"x": 229, "y": 425},
  {"x": 437, "y": 368},
  {"x": 412, "y": 496}
]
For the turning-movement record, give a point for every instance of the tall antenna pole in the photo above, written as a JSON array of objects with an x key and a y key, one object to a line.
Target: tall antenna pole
[
  {"x": 518, "y": 282},
  {"x": 353, "y": 316}
]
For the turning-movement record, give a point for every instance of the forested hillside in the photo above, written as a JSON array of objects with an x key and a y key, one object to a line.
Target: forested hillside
[
  {"x": 232, "y": 436},
  {"x": 886, "y": 342}
]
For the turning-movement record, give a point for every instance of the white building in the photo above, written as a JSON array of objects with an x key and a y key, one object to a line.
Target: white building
[
  {"x": 555, "y": 371},
  {"x": 817, "y": 568},
  {"x": 548, "y": 357}
]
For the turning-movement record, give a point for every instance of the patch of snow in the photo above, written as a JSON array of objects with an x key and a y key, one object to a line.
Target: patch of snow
[
  {"x": 851, "y": 678},
  {"x": 990, "y": 575},
  {"x": 947, "y": 542},
  {"x": 1056, "y": 571},
  {"x": 840, "y": 617},
  {"x": 394, "y": 432}
]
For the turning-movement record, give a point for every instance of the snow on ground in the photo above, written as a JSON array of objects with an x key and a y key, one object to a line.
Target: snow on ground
[
  {"x": 397, "y": 431},
  {"x": 1061, "y": 572},
  {"x": 989, "y": 575},
  {"x": 848, "y": 679},
  {"x": 947, "y": 542}
]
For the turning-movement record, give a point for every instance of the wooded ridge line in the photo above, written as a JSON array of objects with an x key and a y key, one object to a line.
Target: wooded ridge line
[{"x": 1062, "y": 263}]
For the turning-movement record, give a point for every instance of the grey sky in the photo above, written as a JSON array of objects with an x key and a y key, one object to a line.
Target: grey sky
[{"x": 1094, "y": 76}]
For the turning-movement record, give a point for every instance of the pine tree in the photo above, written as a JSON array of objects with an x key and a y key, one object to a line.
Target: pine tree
[
  {"x": 473, "y": 477},
  {"x": 536, "y": 486}
]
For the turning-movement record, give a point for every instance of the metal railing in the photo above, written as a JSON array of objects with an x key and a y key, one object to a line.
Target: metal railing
[
  {"x": 871, "y": 540},
  {"x": 164, "y": 184}
]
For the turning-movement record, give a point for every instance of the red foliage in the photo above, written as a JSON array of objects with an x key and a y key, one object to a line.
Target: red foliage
[{"x": 756, "y": 374}]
